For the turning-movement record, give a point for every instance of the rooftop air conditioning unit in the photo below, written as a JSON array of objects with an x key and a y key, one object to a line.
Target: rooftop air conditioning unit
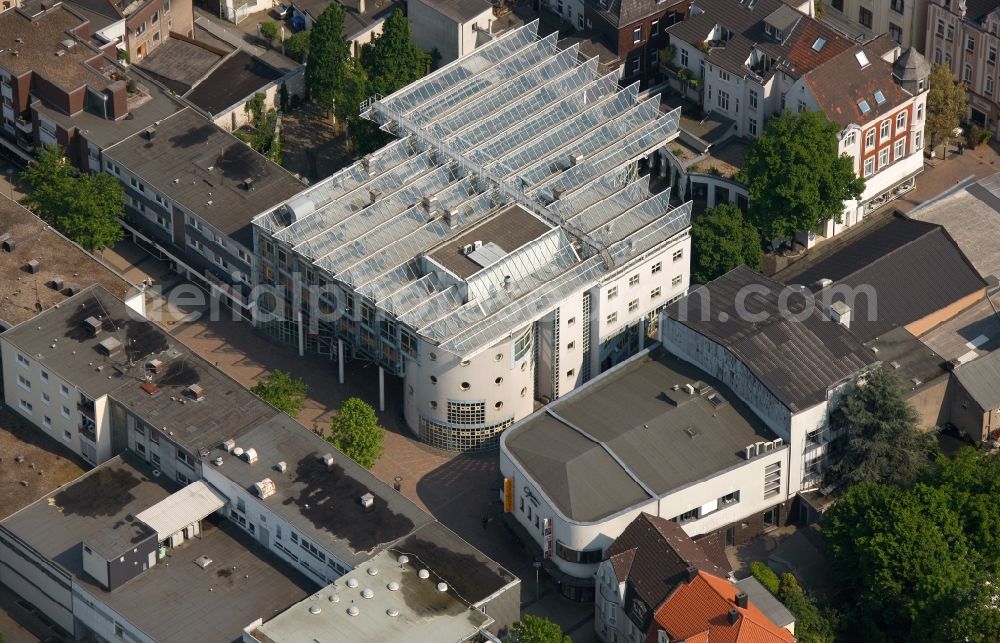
[
  {"x": 468, "y": 249},
  {"x": 476, "y": 245},
  {"x": 281, "y": 466},
  {"x": 229, "y": 445},
  {"x": 367, "y": 501},
  {"x": 250, "y": 455},
  {"x": 264, "y": 488},
  {"x": 196, "y": 392},
  {"x": 328, "y": 460}
]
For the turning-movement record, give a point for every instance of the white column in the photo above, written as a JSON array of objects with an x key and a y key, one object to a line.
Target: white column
[
  {"x": 340, "y": 359},
  {"x": 381, "y": 389},
  {"x": 642, "y": 333},
  {"x": 302, "y": 334}
]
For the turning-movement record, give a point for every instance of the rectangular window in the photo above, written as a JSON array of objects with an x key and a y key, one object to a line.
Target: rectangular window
[
  {"x": 22, "y": 360},
  {"x": 870, "y": 139},
  {"x": 896, "y": 33},
  {"x": 900, "y": 150},
  {"x": 612, "y": 292},
  {"x": 865, "y": 17},
  {"x": 612, "y": 318},
  {"x": 916, "y": 141},
  {"x": 724, "y": 75},
  {"x": 155, "y": 459},
  {"x": 729, "y": 499},
  {"x": 654, "y": 28},
  {"x": 838, "y": 5},
  {"x": 181, "y": 478},
  {"x": 753, "y": 127},
  {"x": 571, "y": 372},
  {"x": 989, "y": 85},
  {"x": 633, "y": 305},
  {"x": 900, "y": 121},
  {"x": 25, "y": 406},
  {"x": 154, "y": 436},
  {"x": 883, "y": 158},
  {"x": 47, "y": 421},
  {"x": 688, "y": 515},
  {"x": 850, "y": 139},
  {"x": 951, "y": 34},
  {"x": 684, "y": 58},
  {"x": 45, "y": 376},
  {"x": 967, "y": 74},
  {"x": 65, "y": 412},
  {"x": 753, "y": 100},
  {"x": 676, "y": 281},
  {"x": 522, "y": 346},
  {"x": 570, "y": 346},
  {"x": 45, "y": 398},
  {"x": 937, "y": 56},
  {"x": 636, "y": 64},
  {"x": 657, "y": 267},
  {"x": 801, "y": 107},
  {"x": 722, "y": 98},
  {"x": 920, "y": 112},
  {"x": 678, "y": 255},
  {"x": 24, "y": 382},
  {"x": 940, "y": 28},
  {"x": 970, "y": 44},
  {"x": 772, "y": 479},
  {"x": 885, "y": 130},
  {"x": 637, "y": 35},
  {"x": 655, "y": 293},
  {"x": 633, "y": 280},
  {"x": 991, "y": 56}
]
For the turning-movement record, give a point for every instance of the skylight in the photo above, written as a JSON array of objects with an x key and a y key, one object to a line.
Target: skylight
[
  {"x": 862, "y": 58},
  {"x": 879, "y": 96},
  {"x": 818, "y": 45},
  {"x": 863, "y": 106}
]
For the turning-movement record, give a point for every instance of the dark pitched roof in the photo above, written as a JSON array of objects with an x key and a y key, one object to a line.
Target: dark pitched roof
[
  {"x": 795, "y": 54},
  {"x": 231, "y": 82},
  {"x": 911, "y": 66},
  {"x": 843, "y": 82},
  {"x": 914, "y": 267},
  {"x": 658, "y": 554},
  {"x": 978, "y": 9},
  {"x": 621, "y": 13},
  {"x": 797, "y": 353},
  {"x": 981, "y": 379}
]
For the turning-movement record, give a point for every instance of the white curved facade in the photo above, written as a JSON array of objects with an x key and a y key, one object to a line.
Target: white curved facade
[{"x": 464, "y": 405}]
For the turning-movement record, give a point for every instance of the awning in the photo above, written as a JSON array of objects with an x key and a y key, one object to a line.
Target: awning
[{"x": 189, "y": 505}]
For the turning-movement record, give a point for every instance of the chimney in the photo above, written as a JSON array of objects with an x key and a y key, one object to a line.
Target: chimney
[
  {"x": 742, "y": 600},
  {"x": 840, "y": 312},
  {"x": 248, "y": 184},
  {"x": 692, "y": 573},
  {"x": 150, "y": 133},
  {"x": 734, "y": 615},
  {"x": 361, "y": 6}
]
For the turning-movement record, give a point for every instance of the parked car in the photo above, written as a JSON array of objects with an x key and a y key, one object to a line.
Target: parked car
[{"x": 283, "y": 10}]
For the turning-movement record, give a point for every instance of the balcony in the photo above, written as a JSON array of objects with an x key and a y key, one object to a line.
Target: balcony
[
  {"x": 86, "y": 408},
  {"x": 6, "y": 91},
  {"x": 89, "y": 432}
]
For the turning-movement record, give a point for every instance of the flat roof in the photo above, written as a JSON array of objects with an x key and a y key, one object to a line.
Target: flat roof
[
  {"x": 518, "y": 121},
  {"x": 793, "y": 349},
  {"x": 510, "y": 230},
  {"x": 981, "y": 378},
  {"x": 57, "y": 340},
  {"x": 969, "y": 334},
  {"x": 202, "y": 167},
  {"x": 321, "y": 503},
  {"x": 966, "y": 211},
  {"x": 597, "y": 450},
  {"x": 912, "y": 361},
  {"x": 460, "y": 10},
  {"x": 180, "y": 64},
  {"x": 415, "y": 610},
  {"x": 236, "y": 79},
  {"x": 191, "y": 603},
  {"x": 181, "y": 508},
  {"x": 888, "y": 258},
  {"x": 41, "y": 35},
  {"x": 24, "y": 294}
]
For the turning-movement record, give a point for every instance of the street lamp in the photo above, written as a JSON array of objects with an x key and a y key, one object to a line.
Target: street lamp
[{"x": 538, "y": 566}]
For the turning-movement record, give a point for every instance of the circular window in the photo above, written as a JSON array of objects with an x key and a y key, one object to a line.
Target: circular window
[
  {"x": 498, "y": 356},
  {"x": 434, "y": 379},
  {"x": 433, "y": 356},
  {"x": 432, "y": 404},
  {"x": 465, "y": 362},
  {"x": 465, "y": 386},
  {"x": 498, "y": 381},
  {"x": 498, "y": 405},
  {"x": 524, "y": 391}
]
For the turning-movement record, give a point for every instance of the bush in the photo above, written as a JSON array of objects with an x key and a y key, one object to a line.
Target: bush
[{"x": 765, "y": 576}]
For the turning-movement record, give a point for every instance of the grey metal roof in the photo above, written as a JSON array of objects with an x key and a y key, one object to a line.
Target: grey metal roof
[
  {"x": 322, "y": 504},
  {"x": 102, "y": 501},
  {"x": 202, "y": 167},
  {"x": 967, "y": 211},
  {"x": 239, "y": 76},
  {"x": 981, "y": 378},
  {"x": 516, "y": 122},
  {"x": 765, "y": 601},
  {"x": 914, "y": 363},
  {"x": 796, "y": 360},
  {"x": 627, "y": 437},
  {"x": 911, "y": 66},
  {"x": 889, "y": 258},
  {"x": 460, "y": 11}
]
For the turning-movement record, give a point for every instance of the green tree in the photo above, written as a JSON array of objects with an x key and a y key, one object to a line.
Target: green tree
[
  {"x": 84, "y": 207},
  {"x": 297, "y": 45},
  {"x": 537, "y": 629},
  {"x": 811, "y": 625},
  {"x": 283, "y": 97},
  {"x": 329, "y": 53},
  {"x": 723, "y": 239},
  {"x": 355, "y": 431},
  {"x": 350, "y": 94},
  {"x": 282, "y": 391},
  {"x": 765, "y": 576},
  {"x": 946, "y": 105},
  {"x": 796, "y": 177},
  {"x": 392, "y": 60},
  {"x": 903, "y": 565},
  {"x": 884, "y": 443},
  {"x": 269, "y": 32}
]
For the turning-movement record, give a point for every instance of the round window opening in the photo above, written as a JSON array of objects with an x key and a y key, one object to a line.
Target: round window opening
[
  {"x": 498, "y": 356},
  {"x": 498, "y": 405},
  {"x": 434, "y": 379},
  {"x": 433, "y": 404},
  {"x": 465, "y": 386},
  {"x": 498, "y": 381}
]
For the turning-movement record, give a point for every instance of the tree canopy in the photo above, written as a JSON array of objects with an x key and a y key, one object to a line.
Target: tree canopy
[
  {"x": 355, "y": 431},
  {"x": 391, "y": 59},
  {"x": 884, "y": 443},
  {"x": 811, "y": 624},
  {"x": 263, "y": 134},
  {"x": 723, "y": 239},
  {"x": 269, "y": 32},
  {"x": 797, "y": 178},
  {"x": 946, "y": 105},
  {"x": 84, "y": 207},
  {"x": 537, "y": 629},
  {"x": 297, "y": 45},
  {"x": 329, "y": 54},
  {"x": 282, "y": 391}
]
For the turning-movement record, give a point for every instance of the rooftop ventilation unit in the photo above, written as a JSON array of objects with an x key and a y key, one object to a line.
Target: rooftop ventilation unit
[
  {"x": 557, "y": 193},
  {"x": 71, "y": 289},
  {"x": 575, "y": 159},
  {"x": 468, "y": 249},
  {"x": 237, "y": 451},
  {"x": 92, "y": 325},
  {"x": 110, "y": 346},
  {"x": 150, "y": 388},
  {"x": 374, "y": 195},
  {"x": 247, "y": 184},
  {"x": 203, "y": 561},
  {"x": 367, "y": 501},
  {"x": 229, "y": 445},
  {"x": 33, "y": 266},
  {"x": 149, "y": 133},
  {"x": 154, "y": 366},
  {"x": 250, "y": 455},
  {"x": 4, "y": 239},
  {"x": 328, "y": 460},
  {"x": 281, "y": 467},
  {"x": 451, "y": 218},
  {"x": 429, "y": 203},
  {"x": 264, "y": 488},
  {"x": 217, "y": 461},
  {"x": 195, "y": 392}
]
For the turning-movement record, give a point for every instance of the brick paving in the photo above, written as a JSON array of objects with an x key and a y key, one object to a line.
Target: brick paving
[{"x": 941, "y": 174}]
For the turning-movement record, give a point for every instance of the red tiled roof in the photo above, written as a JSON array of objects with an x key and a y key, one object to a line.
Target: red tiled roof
[
  {"x": 699, "y": 611},
  {"x": 803, "y": 58}
]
